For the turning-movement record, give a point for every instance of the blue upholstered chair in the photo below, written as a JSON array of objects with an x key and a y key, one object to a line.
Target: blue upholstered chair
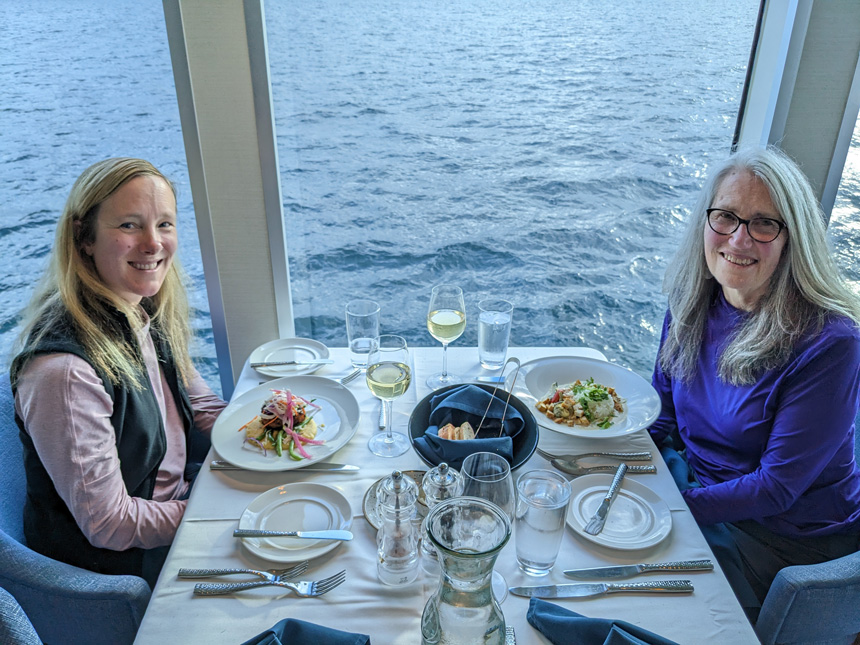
[
  {"x": 64, "y": 604},
  {"x": 15, "y": 627}
]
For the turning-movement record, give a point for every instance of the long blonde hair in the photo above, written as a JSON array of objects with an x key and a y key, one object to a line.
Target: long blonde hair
[
  {"x": 805, "y": 289},
  {"x": 71, "y": 290}
]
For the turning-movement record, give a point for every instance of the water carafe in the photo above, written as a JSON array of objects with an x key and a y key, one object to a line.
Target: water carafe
[
  {"x": 468, "y": 534},
  {"x": 398, "y": 536}
]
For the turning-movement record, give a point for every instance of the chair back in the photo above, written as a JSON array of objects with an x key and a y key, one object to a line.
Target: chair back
[
  {"x": 13, "y": 481},
  {"x": 815, "y": 603},
  {"x": 15, "y": 627}
]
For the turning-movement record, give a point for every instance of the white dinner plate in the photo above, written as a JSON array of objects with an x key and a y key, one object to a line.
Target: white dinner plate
[
  {"x": 289, "y": 349},
  {"x": 337, "y": 422},
  {"x": 536, "y": 377},
  {"x": 303, "y": 506},
  {"x": 638, "y": 518}
]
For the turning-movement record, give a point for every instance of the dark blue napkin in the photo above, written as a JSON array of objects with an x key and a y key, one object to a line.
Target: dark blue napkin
[
  {"x": 298, "y": 632},
  {"x": 564, "y": 627},
  {"x": 468, "y": 403}
]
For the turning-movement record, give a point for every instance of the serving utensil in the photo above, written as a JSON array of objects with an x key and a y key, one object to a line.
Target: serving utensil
[
  {"x": 629, "y": 570},
  {"x": 316, "y": 361},
  {"x": 595, "y": 524},
  {"x": 303, "y": 589},
  {"x": 321, "y": 466},
  {"x": 572, "y": 468},
  {"x": 271, "y": 574},
  {"x": 493, "y": 396},
  {"x": 330, "y": 534},
  {"x": 585, "y": 590}
]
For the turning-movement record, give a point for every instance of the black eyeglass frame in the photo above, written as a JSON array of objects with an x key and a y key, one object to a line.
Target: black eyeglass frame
[{"x": 747, "y": 223}]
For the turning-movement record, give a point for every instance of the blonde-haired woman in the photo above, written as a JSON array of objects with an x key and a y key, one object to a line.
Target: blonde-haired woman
[
  {"x": 759, "y": 371},
  {"x": 106, "y": 394}
]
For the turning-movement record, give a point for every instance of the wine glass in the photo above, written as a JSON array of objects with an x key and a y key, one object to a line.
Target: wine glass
[
  {"x": 488, "y": 476},
  {"x": 446, "y": 320},
  {"x": 389, "y": 372}
]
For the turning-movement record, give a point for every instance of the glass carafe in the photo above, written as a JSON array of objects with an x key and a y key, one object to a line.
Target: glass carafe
[{"x": 468, "y": 534}]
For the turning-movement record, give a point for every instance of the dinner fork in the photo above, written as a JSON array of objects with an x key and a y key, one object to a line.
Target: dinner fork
[
  {"x": 631, "y": 456},
  {"x": 270, "y": 574},
  {"x": 303, "y": 588},
  {"x": 572, "y": 468},
  {"x": 354, "y": 374}
]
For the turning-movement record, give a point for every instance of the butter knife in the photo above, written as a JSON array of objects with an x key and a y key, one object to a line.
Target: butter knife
[
  {"x": 628, "y": 570},
  {"x": 586, "y": 590},
  {"x": 595, "y": 524},
  {"x": 310, "y": 535},
  {"x": 320, "y": 466},
  {"x": 316, "y": 361}
]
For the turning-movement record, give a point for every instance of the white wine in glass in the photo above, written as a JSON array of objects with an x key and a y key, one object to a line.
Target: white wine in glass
[
  {"x": 389, "y": 373},
  {"x": 446, "y": 321}
]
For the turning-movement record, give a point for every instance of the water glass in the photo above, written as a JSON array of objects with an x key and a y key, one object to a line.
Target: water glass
[
  {"x": 494, "y": 332},
  {"x": 542, "y": 499},
  {"x": 362, "y": 330}
]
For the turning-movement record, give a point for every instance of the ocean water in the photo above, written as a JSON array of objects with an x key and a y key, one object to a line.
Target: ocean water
[{"x": 543, "y": 152}]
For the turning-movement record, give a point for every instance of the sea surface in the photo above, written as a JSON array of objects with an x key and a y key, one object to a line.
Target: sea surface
[{"x": 544, "y": 152}]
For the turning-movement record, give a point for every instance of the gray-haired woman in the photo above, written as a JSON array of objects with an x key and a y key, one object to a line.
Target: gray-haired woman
[{"x": 759, "y": 372}]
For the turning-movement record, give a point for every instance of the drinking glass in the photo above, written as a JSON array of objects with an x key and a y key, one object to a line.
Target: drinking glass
[
  {"x": 542, "y": 500},
  {"x": 362, "y": 330},
  {"x": 494, "y": 332},
  {"x": 488, "y": 476},
  {"x": 389, "y": 372},
  {"x": 446, "y": 320}
]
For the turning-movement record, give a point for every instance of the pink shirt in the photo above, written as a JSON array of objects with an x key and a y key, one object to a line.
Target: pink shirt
[{"x": 67, "y": 411}]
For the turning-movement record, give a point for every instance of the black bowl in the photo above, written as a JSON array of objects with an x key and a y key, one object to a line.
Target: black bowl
[{"x": 524, "y": 444}]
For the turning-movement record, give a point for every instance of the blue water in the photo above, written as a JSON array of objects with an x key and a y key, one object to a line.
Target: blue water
[{"x": 540, "y": 151}]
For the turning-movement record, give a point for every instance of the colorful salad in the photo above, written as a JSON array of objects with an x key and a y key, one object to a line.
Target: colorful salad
[
  {"x": 285, "y": 424},
  {"x": 583, "y": 404}
]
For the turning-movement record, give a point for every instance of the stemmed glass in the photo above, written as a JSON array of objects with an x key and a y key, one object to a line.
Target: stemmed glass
[
  {"x": 488, "y": 476},
  {"x": 389, "y": 372},
  {"x": 446, "y": 320}
]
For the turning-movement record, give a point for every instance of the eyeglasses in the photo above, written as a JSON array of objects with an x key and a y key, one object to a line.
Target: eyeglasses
[{"x": 761, "y": 229}]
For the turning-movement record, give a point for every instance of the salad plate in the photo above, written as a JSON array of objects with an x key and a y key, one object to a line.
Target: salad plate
[
  {"x": 288, "y": 349},
  {"x": 337, "y": 421},
  {"x": 536, "y": 379},
  {"x": 303, "y": 506},
  {"x": 637, "y": 519}
]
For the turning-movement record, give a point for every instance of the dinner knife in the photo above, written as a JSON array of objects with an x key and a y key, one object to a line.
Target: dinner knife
[
  {"x": 220, "y": 464},
  {"x": 311, "y": 535},
  {"x": 585, "y": 590},
  {"x": 626, "y": 571},
  {"x": 316, "y": 361}
]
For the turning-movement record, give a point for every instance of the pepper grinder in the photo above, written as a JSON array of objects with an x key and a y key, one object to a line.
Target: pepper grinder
[
  {"x": 398, "y": 538},
  {"x": 439, "y": 483}
]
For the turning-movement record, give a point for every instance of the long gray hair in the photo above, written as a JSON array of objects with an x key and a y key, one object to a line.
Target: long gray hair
[{"x": 804, "y": 290}]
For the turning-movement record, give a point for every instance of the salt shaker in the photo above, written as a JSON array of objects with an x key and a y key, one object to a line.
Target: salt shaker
[
  {"x": 439, "y": 483},
  {"x": 398, "y": 538}
]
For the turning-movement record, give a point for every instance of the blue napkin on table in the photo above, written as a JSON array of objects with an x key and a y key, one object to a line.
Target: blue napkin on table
[
  {"x": 299, "y": 632},
  {"x": 468, "y": 403},
  {"x": 564, "y": 627}
]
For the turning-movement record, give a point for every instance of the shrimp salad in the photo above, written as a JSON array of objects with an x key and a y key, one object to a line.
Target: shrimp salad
[
  {"x": 582, "y": 404},
  {"x": 285, "y": 425}
]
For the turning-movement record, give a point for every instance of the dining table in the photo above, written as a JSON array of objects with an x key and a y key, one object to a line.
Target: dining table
[{"x": 391, "y": 615}]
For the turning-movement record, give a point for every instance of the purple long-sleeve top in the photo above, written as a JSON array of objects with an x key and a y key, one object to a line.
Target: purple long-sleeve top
[{"x": 779, "y": 451}]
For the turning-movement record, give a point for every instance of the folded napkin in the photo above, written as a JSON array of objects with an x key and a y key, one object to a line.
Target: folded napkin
[
  {"x": 468, "y": 403},
  {"x": 562, "y": 627},
  {"x": 298, "y": 632}
]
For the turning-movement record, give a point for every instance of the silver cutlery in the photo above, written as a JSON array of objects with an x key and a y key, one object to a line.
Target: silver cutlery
[
  {"x": 330, "y": 534},
  {"x": 595, "y": 524},
  {"x": 354, "y": 374},
  {"x": 303, "y": 589},
  {"x": 270, "y": 574},
  {"x": 585, "y": 590},
  {"x": 316, "y": 361},
  {"x": 510, "y": 635},
  {"x": 322, "y": 466},
  {"x": 574, "y": 469},
  {"x": 489, "y": 379},
  {"x": 629, "y": 570},
  {"x": 625, "y": 456}
]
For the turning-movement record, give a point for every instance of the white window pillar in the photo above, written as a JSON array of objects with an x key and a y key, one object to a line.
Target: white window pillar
[{"x": 220, "y": 65}]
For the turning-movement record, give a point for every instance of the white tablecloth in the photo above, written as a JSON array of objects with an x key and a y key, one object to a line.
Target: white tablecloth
[{"x": 391, "y": 616}]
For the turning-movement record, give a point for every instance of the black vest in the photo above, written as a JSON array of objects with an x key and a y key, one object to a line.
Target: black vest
[{"x": 49, "y": 526}]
